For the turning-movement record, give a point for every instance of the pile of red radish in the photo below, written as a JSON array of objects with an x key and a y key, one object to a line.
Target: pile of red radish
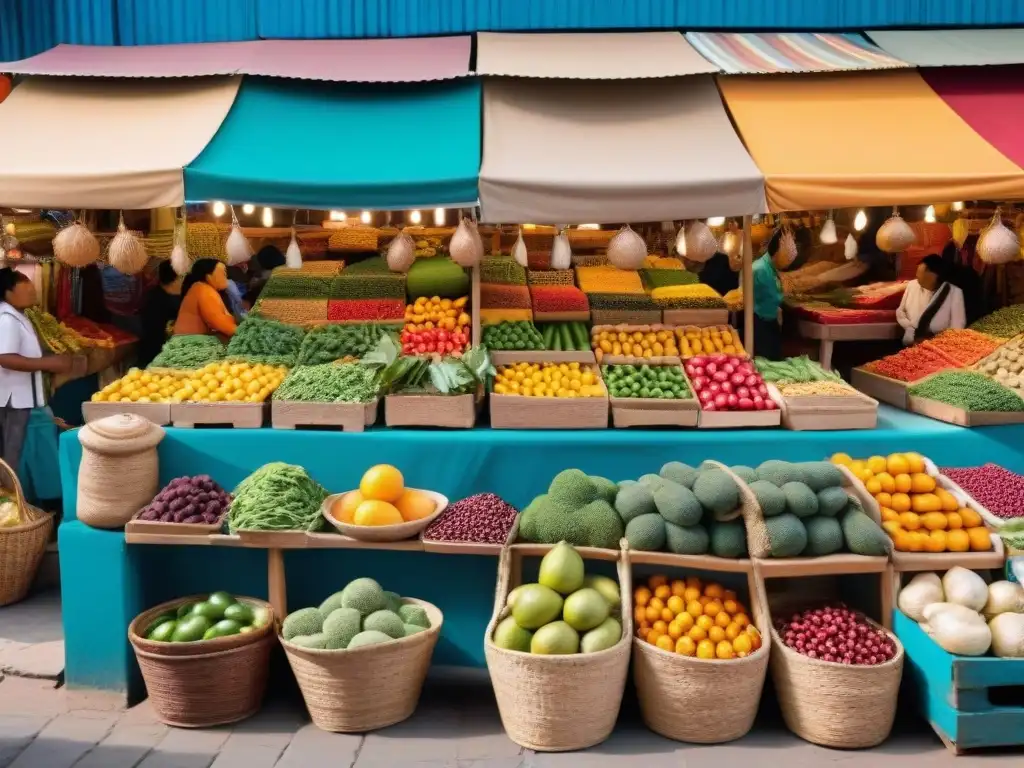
[
  {"x": 435, "y": 340},
  {"x": 836, "y": 634},
  {"x": 728, "y": 383}
]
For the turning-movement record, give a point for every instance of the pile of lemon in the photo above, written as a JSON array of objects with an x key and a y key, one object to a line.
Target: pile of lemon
[
  {"x": 228, "y": 382},
  {"x": 548, "y": 380},
  {"x": 139, "y": 386}
]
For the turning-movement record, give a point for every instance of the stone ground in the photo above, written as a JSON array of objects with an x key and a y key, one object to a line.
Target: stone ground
[{"x": 454, "y": 727}]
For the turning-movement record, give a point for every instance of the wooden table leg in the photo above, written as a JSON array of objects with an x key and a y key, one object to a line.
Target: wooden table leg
[
  {"x": 825, "y": 354},
  {"x": 276, "y": 585}
]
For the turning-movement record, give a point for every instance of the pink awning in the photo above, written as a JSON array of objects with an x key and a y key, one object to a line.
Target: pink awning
[
  {"x": 991, "y": 102},
  {"x": 406, "y": 60}
]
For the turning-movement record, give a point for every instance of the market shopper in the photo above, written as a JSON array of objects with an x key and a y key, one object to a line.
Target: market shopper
[
  {"x": 204, "y": 307},
  {"x": 931, "y": 303},
  {"x": 21, "y": 364},
  {"x": 159, "y": 310},
  {"x": 768, "y": 299},
  {"x": 720, "y": 273}
]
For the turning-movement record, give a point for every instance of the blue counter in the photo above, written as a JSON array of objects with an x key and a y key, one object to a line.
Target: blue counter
[{"x": 106, "y": 583}]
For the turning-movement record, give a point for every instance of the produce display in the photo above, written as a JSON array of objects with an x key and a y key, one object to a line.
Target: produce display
[
  {"x": 803, "y": 377},
  {"x": 382, "y": 499},
  {"x": 622, "y": 302},
  {"x": 548, "y": 380},
  {"x": 708, "y": 340},
  {"x": 277, "y": 497},
  {"x": 188, "y": 500},
  {"x": 633, "y": 341},
  {"x": 911, "y": 363},
  {"x": 368, "y": 279},
  {"x": 1006, "y": 365},
  {"x": 502, "y": 269},
  {"x": 329, "y": 383},
  {"x": 219, "y": 615},
  {"x": 999, "y": 490},
  {"x": 663, "y": 382},
  {"x": 509, "y": 336},
  {"x": 436, "y": 313},
  {"x": 365, "y": 310},
  {"x": 565, "y": 337},
  {"x": 435, "y": 341},
  {"x": 55, "y": 336},
  {"x": 578, "y": 509},
  {"x": 230, "y": 381},
  {"x": 258, "y": 340},
  {"x": 654, "y": 277},
  {"x": 495, "y": 316},
  {"x": 361, "y": 614},
  {"x": 550, "y": 277},
  {"x": 964, "y": 615},
  {"x": 503, "y": 296},
  {"x": 299, "y": 312},
  {"x": 189, "y": 352},
  {"x": 727, "y": 382},
  {"x": 653, "y": 261},
  {"x": 138, "y": 386},
  {"x": 306, "y": 286},
  {"x": 968, "y": 390},
  {"x": 564, "y": 612},
  {"x": 335, "y": 342},
  {"x": 452, "y": 374},
  {"x": 607, "y": 279},
  {"x": 694, "y": 619},
  {"x": 439, "y": 276},
  {"x": 1004, "y": 323},
  {"x": 917, "y": 514},
  {"x": 692, "y": 296},
  {"x": 963, "y": 346},
  {"x": 93, "y": 333},
  {"x": 837, "y": 634},
  {"x": 484, "y": 519},
  {"x": 558, "y": 298}
]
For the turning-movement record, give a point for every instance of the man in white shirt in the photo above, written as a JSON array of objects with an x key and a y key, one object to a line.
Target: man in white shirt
[{"x": 931, "y": 303}]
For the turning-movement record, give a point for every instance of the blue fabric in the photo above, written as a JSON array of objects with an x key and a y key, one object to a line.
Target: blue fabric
[
  {"x": 106, "y": 584},
  {"x": 39, "y": 472},
  {"x": 326, "y": 145},
  {"x": 235, "y": 305}
]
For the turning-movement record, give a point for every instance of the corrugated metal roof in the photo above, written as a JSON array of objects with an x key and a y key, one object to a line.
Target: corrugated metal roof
[
  {"x": 153, "y": 22},
  {"x": 749, "y": 53}
]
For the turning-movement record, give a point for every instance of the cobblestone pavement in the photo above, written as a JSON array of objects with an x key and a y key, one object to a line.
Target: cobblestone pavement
[{"x": 453, "y": 728}]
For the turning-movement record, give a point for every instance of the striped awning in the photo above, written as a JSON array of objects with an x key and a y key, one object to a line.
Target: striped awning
[{"x": 754, "y": 53}]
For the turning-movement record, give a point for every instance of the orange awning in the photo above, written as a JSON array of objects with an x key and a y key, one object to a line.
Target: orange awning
[{"x": 878, "y": 138}]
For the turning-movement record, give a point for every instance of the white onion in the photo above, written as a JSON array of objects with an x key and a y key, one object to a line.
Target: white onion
[
  {"x": 76, "y": 246},
  {"x": 700, "y": 242},
  {"x": 561, "y": 252},
  {"x": 401, "y": 253},
  {"x": 998, "y": 244},
  {"x": 895, "y": 236},
  {"x": 466, "y": 247},
  {"x": 519, "y": 252},
  {"x": 238, "y": 248},
  {"x": 293, "y": 256},
  {"x": 126, "y": 253}
]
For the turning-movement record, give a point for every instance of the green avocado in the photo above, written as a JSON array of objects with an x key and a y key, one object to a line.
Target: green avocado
[
  {"x": 239, "y": 612},
  {"x": 163, "y": 633},
  {"x": 212, "y": 611},
  {"x": 185, "y": 609},
  {"x": 163, "y": 618},
  {"x": 222, "y": 628},
  {"x": 223, "y": 599},
  {"x": 191, "y": 628}
]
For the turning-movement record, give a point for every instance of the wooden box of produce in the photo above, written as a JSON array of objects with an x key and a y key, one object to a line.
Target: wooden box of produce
[
  {"x": 697, "y": 317},
  {"x": 197, "y": 499},
  {"x": 994, "y": 492},
  {"x": 843, "y": 408},
  {"x": 731, "y": 392},
  {"x": 553, "y": 342},
  {"x": 966, "y": 398},
  {"x": 892, "y": 391},
  {"x": 158, "y": 413},
  {"x": 951, "y": 414},
  {"x": 237, "y": 415},
  {"x": 446, "y": 411},
  {"x": 514, "y": 406},
  {"x": 708, "y": 340},
  {"x": 632, "y": 316},
  {"x": 617, "y": 344},
  {"x": 351, "y": 417},
  {"x": 635, "y": 410}
]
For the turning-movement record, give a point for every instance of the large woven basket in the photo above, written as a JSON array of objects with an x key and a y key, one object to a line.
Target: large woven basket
[
  {"x": 704, "y": 701},
  {"x": 363, "y": 689},
  {"x": 836, "y": 705},
  {"x": 207, "y": 683},
  {"x": 22, "y": 546},
  {"x": 558, "y": 703}
]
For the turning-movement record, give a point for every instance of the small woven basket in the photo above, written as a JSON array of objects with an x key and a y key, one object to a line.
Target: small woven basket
[
  {"x": 558, "y": 703},
  {"x": 21, "y": 546},
  {"x": 206, "y": 683},
  {"x": 364, "y": 689},
  {"x": 703, "y": 701}
]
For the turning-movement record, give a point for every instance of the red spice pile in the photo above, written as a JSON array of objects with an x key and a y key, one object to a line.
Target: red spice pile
[
  {"x": 558, "y": 298},
  {"x": 500, "y": 296},
  {"x": 963, "y": 345},
  {"x": 339, "y": 310},
  {"x": 912, "y": 363}
]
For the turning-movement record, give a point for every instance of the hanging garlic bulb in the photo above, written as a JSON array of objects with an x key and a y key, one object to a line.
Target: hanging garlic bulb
[
  {"x": 76, "y": 246},
  {"x": 180, "y": 261},
  {"x": 126, "y": 253},
  {"x": 627, "y": 250},
  {"x": 238, "y": 248},
  {"x": 700, "y": 242},
  {"x": 895, "y": 235},
  {"x": 519, "y": 252},
  {"x": 828, "y": 234},
  {"x": 561, "y": 251},
  {"x": 998, "y": 244},
  {"x": 466, "y": 247},
  {"x": 293, "y": 256},
  {"x": 681, "y": 242},
  {"x": 401, "y": 253},
  {"x": 850, "y": 248}
]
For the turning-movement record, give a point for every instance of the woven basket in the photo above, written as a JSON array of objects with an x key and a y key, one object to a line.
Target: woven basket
[
  {"x": 207, "y": 683},
  {"x": 22, "y": 546},
  {"x": 364, "y": 689},
  {"x": 558, "y": 703},
  {"x": 835, "y": 705},
  {"x": 703, "y": 701}
]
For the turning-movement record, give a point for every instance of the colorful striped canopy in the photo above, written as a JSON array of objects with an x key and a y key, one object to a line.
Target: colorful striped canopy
[{"x": 752, "y": 53}]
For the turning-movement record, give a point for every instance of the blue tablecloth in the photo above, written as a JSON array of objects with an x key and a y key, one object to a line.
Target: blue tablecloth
[{"x": 106, "y": 583}]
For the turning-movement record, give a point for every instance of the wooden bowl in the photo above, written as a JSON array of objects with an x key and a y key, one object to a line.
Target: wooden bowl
[{"x": 396, "y": 532}]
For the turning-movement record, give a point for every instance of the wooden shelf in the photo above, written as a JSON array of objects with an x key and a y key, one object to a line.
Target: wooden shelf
[
  {"x": 290, "y": 540},
  {"x": 691, "y": 562},
  {"x": 915, "y": 562},
  {"x": 829, "y": 565}
]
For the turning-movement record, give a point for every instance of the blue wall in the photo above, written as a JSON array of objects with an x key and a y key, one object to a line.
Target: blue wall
[{"x": 30, "y": 26}]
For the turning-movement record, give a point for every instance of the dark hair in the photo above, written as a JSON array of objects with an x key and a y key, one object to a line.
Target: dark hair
[
  {"x": 774, "y": 242},
  {"x": 270, "y": 257},
  {"x": 9, "y": 278},
  {"x": 165, "y": 273},
  {"x": 201, "y": 269},
  {"x": 935, "y": 264}
]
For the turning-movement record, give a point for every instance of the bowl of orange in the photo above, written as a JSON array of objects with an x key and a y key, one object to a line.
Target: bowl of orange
[{"x": 382, "y": 508}]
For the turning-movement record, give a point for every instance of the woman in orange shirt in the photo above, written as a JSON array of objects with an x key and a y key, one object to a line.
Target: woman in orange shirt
[{"x": 203, "y": 309}]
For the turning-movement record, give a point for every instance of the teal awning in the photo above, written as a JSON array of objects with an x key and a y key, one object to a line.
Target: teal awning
[{"x": 302, "y": 144}]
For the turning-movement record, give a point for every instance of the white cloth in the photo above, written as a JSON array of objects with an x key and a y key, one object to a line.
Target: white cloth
[
  {"x": 18, "y": 337},
  {"x": 915, "y": 301}
]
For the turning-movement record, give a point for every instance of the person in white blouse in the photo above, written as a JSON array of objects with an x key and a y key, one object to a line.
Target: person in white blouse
[
  {"x": 931, "y": 303},
  {"x": 21, "y": 364}
]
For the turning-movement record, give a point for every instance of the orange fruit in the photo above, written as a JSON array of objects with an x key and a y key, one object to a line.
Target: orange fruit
[
  {"x": 663, "y": 591},
  {"x": 971, "y": 518},
  {"x": 884, "y": 499},
  {"x": 901, "y": 502},
  {"x": 660, "y": 627},
  {"x": 917, "y": 540},
  {"x": 723, "y": 619},
  {"x": 705, "y": 622},
  {"x": 910, "y": 521},
  {"x": 415, "y": 505},
  {"x": 755, "y": 636},
  {"x": 694, "y": 581},
  {"x": 344, "y": 509},
  {"x": 892, "y": 527},
  {"x": 925, "y": 502},
  {"x": 686, "y": 647},
  {"x": 724, "y": 650},
  {"x": 903, "y": 483},
  {"x": 716, "y": 635},
  {"x": 675, "y": 631},
  {"x": 657, "y": 602},
  {"x": 652, "y": 637},
  {"x": 691, "y": 594},
  {"x": 666, "y": 643},
  {"x": 742, "y": 644},
  {"x": 733, "y": 631},
  {"x": 922, "y": 483},
  {"x": 713, "y": 608},
  {"x": 889, "y": 515},
  {"x": 678, "y": 587},
  {"x": 382, "y": 483},
  {"x": 372, "y": 512},
  {"x": 657, "y": 580},
  {"x": 949, "y": 502},
  {"x": 642, "y": 596},
  {"x": 876, "y": 464},
  {"x": 714, "y": 590},
  {"x": 694, "y": 608},
  {"x": 666, "y": 614},
  {"x": 897, "y": 464},
  {"x": 934, "y": 521},
  {"x": 873, "y": 486},
  {"x": 843, "y": 459},
  {"x": 936, "y": 541},
  {"x": 685, "y": 621},
  {"x": 731, "y": 606},
  {"x": 705, "y": 649},
  {"x": 651, "y": 613},
  {"x": 954, "y": 521},
  {"x": 640, "y": 614},
  {"x": 915, "y": 461},
  {"x": 741, "y": 620},
  {"x": 676, "y": 605},
  {"x": 887, "y": 481},
  {"x": 980, "y": 541},
  {"x": 958, "y": 541},
  {"x": 697, "y": 634}
]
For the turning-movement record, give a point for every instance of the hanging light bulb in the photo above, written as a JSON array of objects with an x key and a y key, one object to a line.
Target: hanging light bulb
[
  {"x": 529, "y": 226},
  {"x": 219, "y": 209},
  {"x": 366, "y": 217},
  {"x": 268, "y": 217},
  {"x": 248, "y": 209},
  {"x": 929, "y": 214},
  {"x": 828, "y": 234},
  {"x": 439, "y": 217},
  {"x": 415, "y": 217},
  {"x": 958, "y": 206},
  {"x": 588, "y": 226},
  {"x": 337, "y": 216},
  {"x": 716, "y": 221},
  {"x": 860, "y": 221}
]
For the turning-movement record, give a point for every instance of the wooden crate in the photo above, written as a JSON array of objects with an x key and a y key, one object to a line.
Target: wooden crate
[
  {"x": 653, "y": 412},
  {"x": 632, "y": 316},
  {"x": 519, "y": 412},
  {"x": 135, "y": 525},
  {"x": 158, "y": 413},
  {"x": 350, "y": 417},
  {"x": 954, "y": 692},
  {"x": 911, "y": 562},
  {"x": 882, "y": 388},
  {"x": 951, "y": 414},
  {"x": 237, "y": 415},
  {"x": 447, "y": 411},
  {"x": 819, "y": 413},
  {"x": 699, "y": 317},
  {"x": 512, "y": 356}
]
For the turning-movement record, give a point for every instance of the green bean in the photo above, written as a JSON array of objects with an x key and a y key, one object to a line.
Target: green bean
[
  {"x": 277, "y": 497},
  {"x": 970, "y": 391},
  {"x": 329, "y": 383}
]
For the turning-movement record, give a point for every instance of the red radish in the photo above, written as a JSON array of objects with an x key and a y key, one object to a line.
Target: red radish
[
  {"x": 746, "y": 404},
  {"x": 721, "y": 400},
  {"x": 733, "y": 401}
]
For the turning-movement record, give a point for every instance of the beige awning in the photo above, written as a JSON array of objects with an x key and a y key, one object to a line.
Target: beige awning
[
  {"x": 954, "y": 47},
  {"x": 589, "y": 55},
  {"x": 568, "y": 151},
  {"x": 76, "y": 143}
]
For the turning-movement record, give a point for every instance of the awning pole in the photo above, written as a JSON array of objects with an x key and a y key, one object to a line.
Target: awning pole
[{"x": 748, "y": 287}]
